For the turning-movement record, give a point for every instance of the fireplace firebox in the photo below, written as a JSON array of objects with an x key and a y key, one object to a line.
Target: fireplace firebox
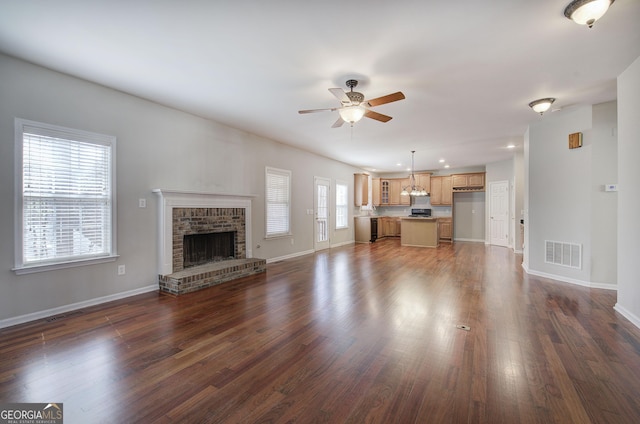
[{"x": 199, "y": 249}]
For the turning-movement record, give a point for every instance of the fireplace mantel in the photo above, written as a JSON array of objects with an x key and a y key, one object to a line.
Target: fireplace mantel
[{"x": 170, "y": 199}]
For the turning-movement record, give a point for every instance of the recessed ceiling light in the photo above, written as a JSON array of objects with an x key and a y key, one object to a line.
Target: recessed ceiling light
[
  {"x": 398, "y": 164},
  {"x": 441, "y": 161},
  {"x": 446, "y": 166},
  {"x": 511, "y": 146}
]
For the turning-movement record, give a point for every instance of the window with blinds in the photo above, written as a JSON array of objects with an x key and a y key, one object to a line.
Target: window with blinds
[
  {"x": 66, "y": 203},
  {"x": 342, "y": 208},
  {"x": 278, "y": 202}
]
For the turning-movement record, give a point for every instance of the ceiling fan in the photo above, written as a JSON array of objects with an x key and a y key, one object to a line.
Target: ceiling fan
[{"x": 353, "y": 106}]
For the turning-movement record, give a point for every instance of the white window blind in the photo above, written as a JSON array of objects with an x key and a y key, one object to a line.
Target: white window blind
[
  {"x": 278, "y": 201},
  {"x": 342, "y": 208},
  {"x": 66, "y": 194}
]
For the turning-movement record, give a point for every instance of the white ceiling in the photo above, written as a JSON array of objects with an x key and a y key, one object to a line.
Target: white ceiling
[{"x": 468, "y": 68}]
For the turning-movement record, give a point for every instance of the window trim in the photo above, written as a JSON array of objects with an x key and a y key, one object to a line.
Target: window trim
[
  {"x": 288, "y": 174},
  {"x": 71, "y": 134},
  {"x": 346, "y": 205}
]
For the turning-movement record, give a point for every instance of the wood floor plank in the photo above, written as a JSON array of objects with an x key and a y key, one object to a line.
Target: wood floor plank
[{"x": 360, "y": 333}]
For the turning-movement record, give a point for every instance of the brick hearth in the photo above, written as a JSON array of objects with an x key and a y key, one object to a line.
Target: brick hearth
[{"x": 211, "y": 274}]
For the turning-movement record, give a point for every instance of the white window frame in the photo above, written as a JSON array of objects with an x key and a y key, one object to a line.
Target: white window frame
[
  {"x": 270, "y": 171},
  {"x": 22, "y": 266},
  {"x": 342, "y": 207}
]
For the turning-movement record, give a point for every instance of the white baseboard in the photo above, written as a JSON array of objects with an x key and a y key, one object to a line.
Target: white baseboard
[
  {"x": 306, "y": 252},
  {"x": 344, "y": 243},
  {"x": 591, "y": 285},
  {"x": 627, "y": 314},
  {"x": 292, "y": 255},
  {"x": 74, "y": 306},
  {"x": 471, "y": 240}
]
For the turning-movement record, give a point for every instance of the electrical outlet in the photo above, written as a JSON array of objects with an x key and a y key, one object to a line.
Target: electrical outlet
[
  {"x": 121, "y": 270},
  {"x": 291, "y": 242},
  {"x": 142, "y": 203}
]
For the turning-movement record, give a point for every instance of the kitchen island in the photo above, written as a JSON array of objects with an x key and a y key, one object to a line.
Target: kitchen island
[{"x": 419, "y": 231}]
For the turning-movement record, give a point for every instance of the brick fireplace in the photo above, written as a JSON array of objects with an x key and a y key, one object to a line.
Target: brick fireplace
[{"x": 220, "y": 224}]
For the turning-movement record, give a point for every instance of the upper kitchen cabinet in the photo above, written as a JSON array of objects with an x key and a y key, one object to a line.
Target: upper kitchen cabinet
[
  {"x": 424, "y": 181},
  {"x": 361, "y": 189},
  {"x": 375, "y": 191},
  {"x": 395, "y": 187},
  {"x": 384, "y": 192},
  {"x": 404, "y": 200},
  {"x": 441, "y": 193},
  {"x": 468, "y": 182}
]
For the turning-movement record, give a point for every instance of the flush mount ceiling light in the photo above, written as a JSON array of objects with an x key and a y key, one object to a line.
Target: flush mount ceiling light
[
  {"x": 413, "y": 189},
  {"x": 586, "y": 12},
  {"x": 542, "y": 105}
]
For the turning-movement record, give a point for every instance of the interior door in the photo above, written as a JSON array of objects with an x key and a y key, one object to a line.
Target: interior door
[
  {"x": 499, "y": 213},
  {"x": 322, "y": 209}
]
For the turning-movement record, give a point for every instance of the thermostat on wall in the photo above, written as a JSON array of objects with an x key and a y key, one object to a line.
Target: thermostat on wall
[{"x": 611, "y": 187}]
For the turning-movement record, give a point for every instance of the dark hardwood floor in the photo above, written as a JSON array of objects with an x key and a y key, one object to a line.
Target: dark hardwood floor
[{"x": 356, "y": 334}]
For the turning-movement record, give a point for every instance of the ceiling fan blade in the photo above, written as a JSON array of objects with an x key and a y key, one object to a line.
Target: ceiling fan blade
[
  {"x": 385, "y": 99},
  {"x": 340, "y": 95},
  {"x": 377, "y": 116},
  {"x": 338, "y": 123},
  {"x": 318, "y": 110}
]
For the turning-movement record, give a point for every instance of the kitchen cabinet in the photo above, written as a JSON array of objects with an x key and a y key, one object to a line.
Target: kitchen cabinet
[
  {"x": 375, "y": 191},
  {"x": 389, "y": 226},
  {"x": 419, "y": 232},
  {"x": 445, "y": 229},
  {"x": 362, "y": 229},
  {"x": 384, "y": 192},
  {"x": 441, "y": 194},
  {"x": 404, "y": 200},
  {"x": 393, "y": 227},
  {"x": 424, "y": 180},
  {"x": 361, "y": 189},
  {"x": 468, "y": 182},
  {"x": 395, "y": 187}
]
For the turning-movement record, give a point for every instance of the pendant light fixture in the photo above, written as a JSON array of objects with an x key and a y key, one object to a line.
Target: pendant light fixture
[
  {"x": 413, "y": 189},
  {"x": 542, "y": 105},
  {"x": 587, "y": 12}
]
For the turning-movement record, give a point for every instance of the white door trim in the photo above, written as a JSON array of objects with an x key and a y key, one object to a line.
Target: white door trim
[{"x": 322, "y": 215}]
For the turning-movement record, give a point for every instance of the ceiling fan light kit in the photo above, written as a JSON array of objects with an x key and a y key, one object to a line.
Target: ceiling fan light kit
[
  {"x": 542, "y": 105},
  {"x": 351, "y": 114},
  {"x": 353, "y": 105},
  {"x": 587, "y": 12}
]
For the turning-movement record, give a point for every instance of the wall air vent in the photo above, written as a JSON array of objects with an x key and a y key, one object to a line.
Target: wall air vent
[{"x": 565, "y": 254}]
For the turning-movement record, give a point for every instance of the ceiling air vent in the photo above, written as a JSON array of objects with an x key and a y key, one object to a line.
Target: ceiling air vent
[{"x": 565, "y": 254}]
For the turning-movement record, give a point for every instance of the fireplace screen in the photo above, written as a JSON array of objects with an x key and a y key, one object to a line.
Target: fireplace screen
[{"x": 199, "y": 249}]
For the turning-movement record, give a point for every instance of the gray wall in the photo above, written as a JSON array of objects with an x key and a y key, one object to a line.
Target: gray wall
[
  {"x": 157, "y": 147},
  {"x": 469, "y": 216},
  {"x": 604, "y": 205},
  {"x": 565, "y": 193},
  {"x": 629, "y": 194}
]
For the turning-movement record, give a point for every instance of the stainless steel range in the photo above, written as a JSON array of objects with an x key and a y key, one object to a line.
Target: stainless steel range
[{"x": 420, "y": 213}]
